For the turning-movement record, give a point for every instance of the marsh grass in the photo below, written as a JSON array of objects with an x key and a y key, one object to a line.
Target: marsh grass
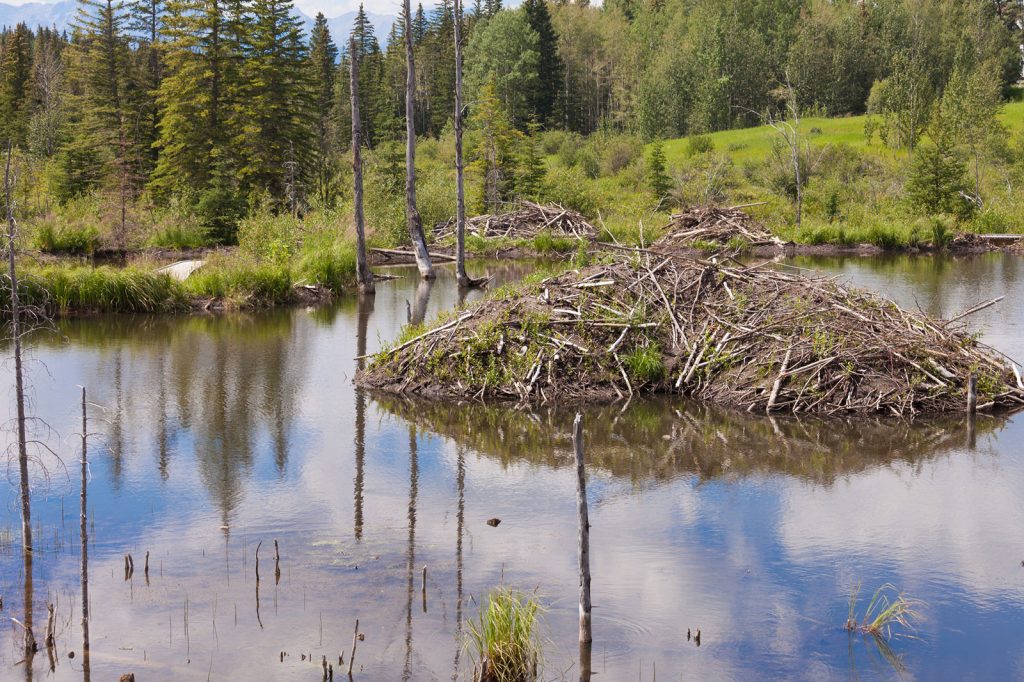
[
  {"x": 83, "y": 288},
  {"x": 242, "y": 283},
  {"x": 504, "y": 638},
  {"x": 887, "y": 612}
]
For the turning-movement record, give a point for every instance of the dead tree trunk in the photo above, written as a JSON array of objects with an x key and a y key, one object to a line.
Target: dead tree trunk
[
  {"x": 363, "y": 275},
  {"x": 460, "y": 194},
  {"x": 584, "y": 531},
  {"x": 19, "y": 381},
  {"x": 412, "y": 216},
  {"x": 85, "y": 539}
]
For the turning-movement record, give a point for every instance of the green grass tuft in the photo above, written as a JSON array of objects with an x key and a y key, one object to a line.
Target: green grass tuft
[
  {"x": 887, "y": 610},
  {"x": 504, "y": 637},
  {"x": 644, "y": 364}
]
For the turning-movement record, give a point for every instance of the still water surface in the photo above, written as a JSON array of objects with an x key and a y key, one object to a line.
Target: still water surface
[{"x": 219, "y": 433}]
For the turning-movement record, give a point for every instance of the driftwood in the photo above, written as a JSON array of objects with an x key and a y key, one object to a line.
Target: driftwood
[
  {"x": 759, "y": 338},
  {"x": 525, "y": 221},
  {"x": 714, "y": 225}
]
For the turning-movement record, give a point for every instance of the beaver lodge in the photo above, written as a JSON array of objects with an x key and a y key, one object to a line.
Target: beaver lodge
[
  {"x": 715, "y": 226},
  {"x": 753, "y": 337},
  {"x": 526, "y": 221}
]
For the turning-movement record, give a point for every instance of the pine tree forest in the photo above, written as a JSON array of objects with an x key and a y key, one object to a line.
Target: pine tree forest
[{"x": 219, "y": 110}]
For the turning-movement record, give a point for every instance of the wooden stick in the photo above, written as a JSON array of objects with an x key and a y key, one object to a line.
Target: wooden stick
[
  {"x": 971, "y": 311},
  {"x": 355, "y": 641},
  {"x": 972, "y": 394},
  {"x": 586, "y": 637},
  {"x": 426, "y": 334},
  {"x": 778, "y": 381}
]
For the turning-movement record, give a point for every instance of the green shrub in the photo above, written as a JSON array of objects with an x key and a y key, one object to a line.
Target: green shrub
[
  {"x": 991, "y": 221},
  {"x": 53, "y": 238},
  {"x": 699, "y": 144},
  {"x": 618, "y": 152},
  {"x": 219, "y": 210},
  {"x": 942, "y": 236},
  {"x": 570, "y": 188}
]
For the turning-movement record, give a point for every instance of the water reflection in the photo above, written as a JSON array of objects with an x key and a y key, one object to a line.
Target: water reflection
[
  {"x": 242, "y": 429},
  {"x": 662, "y": 439}
]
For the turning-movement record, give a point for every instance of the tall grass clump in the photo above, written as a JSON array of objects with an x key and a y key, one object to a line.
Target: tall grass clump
[
  {"x": 107, "y": 289},
  {"x": 886, "y": 611},
  {"x": 644, "y": 364},
  {"x": 327, "y": 262},
  {"x": 242, "y": 283},
  {"x": 505, "y": 638},
  {"x": 184, "y": 236}
]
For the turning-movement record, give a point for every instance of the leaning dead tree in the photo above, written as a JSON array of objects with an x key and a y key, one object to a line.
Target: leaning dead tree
[
  {"x": 19, "y": 379},
  {"x": 363, "y": 275},
  {"x": 412, "y": 215},
  {"x": 460, "y": 194}
]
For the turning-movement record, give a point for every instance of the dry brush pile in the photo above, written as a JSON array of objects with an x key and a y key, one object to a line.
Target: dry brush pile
[
  {"x": 702, "y": 225},
  {"x": 526, "y": 221},
  {"x": 753, "y": 337}
]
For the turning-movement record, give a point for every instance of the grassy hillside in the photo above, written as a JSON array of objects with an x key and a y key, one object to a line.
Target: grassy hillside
[{"x": 747, "y": 144}]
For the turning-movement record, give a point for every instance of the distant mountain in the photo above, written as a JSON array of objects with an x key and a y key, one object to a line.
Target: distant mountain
[
  {"x": 61, "y": 13},
  {"x": 340, "y": 26},
  {"x": 35, "y": 14}
]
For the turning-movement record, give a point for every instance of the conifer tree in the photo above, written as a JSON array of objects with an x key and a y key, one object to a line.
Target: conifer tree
[
  {"x": 192, "y": 136},
  {"x": 270, "y": 117},
  {"x": 657, "y": 174},
  {"x": 15, "y": 86},
  {"x": 323, "y": 54},
  {"x": 101, "y": 60},
  {"x": 145, "y": 24},
  {"x": 550, "y": 69}
]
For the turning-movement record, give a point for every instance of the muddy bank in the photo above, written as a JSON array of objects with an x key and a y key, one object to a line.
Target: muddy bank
[{"x": 756, "y": 338}]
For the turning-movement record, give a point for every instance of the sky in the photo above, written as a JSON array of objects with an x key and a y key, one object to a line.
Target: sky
[{"x": 330, "y": 8}]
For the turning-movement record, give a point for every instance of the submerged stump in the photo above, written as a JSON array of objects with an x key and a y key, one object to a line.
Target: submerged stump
[{"x": 759, "y": 338}]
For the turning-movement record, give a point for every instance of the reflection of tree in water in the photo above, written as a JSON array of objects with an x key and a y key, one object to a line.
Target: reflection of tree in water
[
  {"x": 661, "y": 439},
  {"x": 364, "y": 311},
  {"x": 230, "y": 381}
]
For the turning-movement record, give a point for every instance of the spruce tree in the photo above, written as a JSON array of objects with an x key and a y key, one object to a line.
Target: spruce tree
[
  {"x": 101, "y": 64},
  {"x": 323, "y": 54},
  {"x": 271, "y": 118},
  {"x": 440, "y": 53},
  {"x": 15, "y": 85},
  {"x": 550, "y": 69},
  {"x": 657, "y": 174},
  {"x": 145, "y": 24}
]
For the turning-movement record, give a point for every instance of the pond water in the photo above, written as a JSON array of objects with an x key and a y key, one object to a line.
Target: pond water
[{"x": 216, "y": 434}]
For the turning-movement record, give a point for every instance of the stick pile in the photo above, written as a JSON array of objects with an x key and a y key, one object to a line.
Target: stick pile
[
  {"x": 758, "y": 338},
  {"x": 525, "y": 222},
  {"x": 714, "y": 225}
]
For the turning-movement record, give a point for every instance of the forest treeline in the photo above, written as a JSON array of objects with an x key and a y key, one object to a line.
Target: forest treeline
[{"x": 227, "y": 106}]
